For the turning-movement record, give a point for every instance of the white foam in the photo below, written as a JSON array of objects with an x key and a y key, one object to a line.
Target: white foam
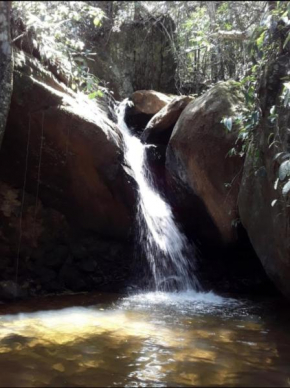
[{"x": 179, "y": 298}]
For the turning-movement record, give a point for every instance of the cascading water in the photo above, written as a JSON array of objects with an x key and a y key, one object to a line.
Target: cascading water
[{"x": 166, "y": 248}]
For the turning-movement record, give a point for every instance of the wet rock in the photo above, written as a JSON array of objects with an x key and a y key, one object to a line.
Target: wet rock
[
  {"x": 45, "y": 275},
  {"x": 149, "y": 102},
  {"x": 72, "y": 279},
  {"x": 155, "y": 159},
  {"x": 203, "y": 177},
  {"x": 160, "y": 127},
  {"x": 9, "y": 290},
  {"x": 56, "y": 257},
  {"x": 79, "y": 252},
  {"x": 87, "y": 265}
]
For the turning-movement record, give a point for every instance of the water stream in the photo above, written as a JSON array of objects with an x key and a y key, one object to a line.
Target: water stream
[{"x": 170, "y": 255}]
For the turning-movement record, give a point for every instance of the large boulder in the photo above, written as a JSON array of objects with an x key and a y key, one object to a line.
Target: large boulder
[
  {"x": 66, "y": 151},
  {"x": 142, "y": 106},
  {"x": 263, "y": 208},
  {"x": 136, "y": 55},
  {"x": 149, "y": 102},
  {"x": 204, "y": 178},
  {"x": 160, "y": 127}
]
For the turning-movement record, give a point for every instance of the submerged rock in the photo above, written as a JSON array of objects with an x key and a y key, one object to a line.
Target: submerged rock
[{"x": 205, "y": 179}]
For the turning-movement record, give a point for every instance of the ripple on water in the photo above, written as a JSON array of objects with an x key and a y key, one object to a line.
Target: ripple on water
[
  {"x": 148, "y": 339},
  {"x": 181, "y": 302}
]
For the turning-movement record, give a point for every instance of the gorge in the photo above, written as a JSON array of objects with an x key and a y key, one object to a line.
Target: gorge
[{"x": 144, "y": 193}]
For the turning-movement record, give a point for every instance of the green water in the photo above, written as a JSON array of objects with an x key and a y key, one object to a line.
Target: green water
[{"x": 145, "y": 340}]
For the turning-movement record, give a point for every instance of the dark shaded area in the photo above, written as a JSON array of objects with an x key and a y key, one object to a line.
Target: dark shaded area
[
  {"x": 136, "y": 121},
  {"x": 233, "y": 268},
  {"x": 155, "y": 160},
  {"x": 157, "y": 137}
]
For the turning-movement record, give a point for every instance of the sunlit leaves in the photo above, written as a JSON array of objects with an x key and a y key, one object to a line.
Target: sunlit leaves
[
  {"x": 228, "y": 123},
  {"x": 56, "y": 25},
  {"x": 273, "y": 203},
  {"x": 286, "y": 94},
  {"x": 260, "y": 40},
  {"x": 276, "y": 184},
  {"x": 286, "y": 188},
  {"x": 284, "y": 170},
  {"x": 97, "y": 93},
  {"x": 273, "y": 115},
  {"x": 96, "y": 21},
  {"x": 287, "y": 40}
]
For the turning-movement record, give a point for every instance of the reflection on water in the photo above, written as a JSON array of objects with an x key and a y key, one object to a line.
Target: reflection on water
[{"x": 149, "y": 339}]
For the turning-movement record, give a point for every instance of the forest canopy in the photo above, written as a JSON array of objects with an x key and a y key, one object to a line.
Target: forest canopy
[{"x": 210, "y": 40}]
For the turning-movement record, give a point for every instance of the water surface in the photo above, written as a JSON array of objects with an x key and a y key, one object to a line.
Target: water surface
[{"x": 152, "y": 339}]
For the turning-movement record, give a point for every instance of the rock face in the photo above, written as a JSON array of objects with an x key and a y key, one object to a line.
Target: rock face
[
  {"x": 66, "y": 202},
  {"x": 204, "y": 178},
  {"x": 267, "y": 222},
  {"x": 69, "y": 150},
  {"x": 48, "y": 255},
  {"x": 136, "y": 56},
  {"x": 160, "y": 127}
]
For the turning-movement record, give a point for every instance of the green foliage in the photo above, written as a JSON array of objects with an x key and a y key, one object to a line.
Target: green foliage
[
  {"x": 262, "y": 47},
  {"x": 283, "y": 173},
  {"x": 285, "y": 97},
  {"x": 56, "y": 26},
  {"x": 284, "y": 170},
  {"x": 247, "y": 121},
  {"x": 228, "y": 123}
]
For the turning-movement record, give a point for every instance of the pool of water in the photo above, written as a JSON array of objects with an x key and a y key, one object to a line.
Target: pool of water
[{"x": 149, "y": 339}]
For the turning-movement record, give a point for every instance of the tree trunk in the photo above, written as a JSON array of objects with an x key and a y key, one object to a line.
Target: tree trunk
[
  {"x": 6, "y": 65},
  {"x": 211, "y": 8}
]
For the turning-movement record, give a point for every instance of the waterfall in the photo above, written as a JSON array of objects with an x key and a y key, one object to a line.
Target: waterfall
[{"x": 168, "y": 251}]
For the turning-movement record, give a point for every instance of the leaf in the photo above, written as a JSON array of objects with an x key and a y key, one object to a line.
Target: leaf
[
  {"x": 274, "y": 202},
  {"x": 276, "y": 184},
  {"x": 284, "y": 170},
  {"x": 228, "y": 122},
  {"x": 287, "y": 40},
  {"x": 278, "y": 155},
  {"x": 99, "y": 93},
  {"x": 260, "y": 40},
  {"x": 92, "y": 95},
  {"x": 286, "y": 98},
  {"x": 97, "y": 21},
  {"x": 286, "y": 188}
]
